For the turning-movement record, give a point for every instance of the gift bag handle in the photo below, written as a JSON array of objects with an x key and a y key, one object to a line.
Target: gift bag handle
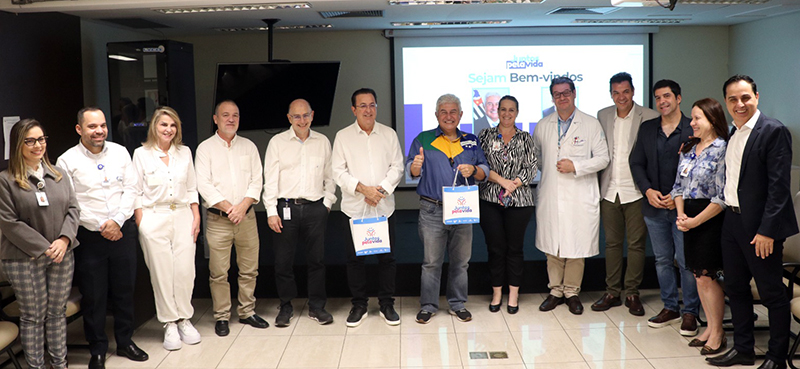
[{"x": 455, "y": 178}]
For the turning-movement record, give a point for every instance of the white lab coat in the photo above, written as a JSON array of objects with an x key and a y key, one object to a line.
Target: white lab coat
[{"x": 568, "y": 204}]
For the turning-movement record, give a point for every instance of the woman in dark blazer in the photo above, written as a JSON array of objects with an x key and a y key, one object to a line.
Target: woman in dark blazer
[{"x": 39, "y": 222}]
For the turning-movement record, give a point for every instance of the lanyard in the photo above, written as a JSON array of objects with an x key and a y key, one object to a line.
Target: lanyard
[{"x": 561, "y": 135}]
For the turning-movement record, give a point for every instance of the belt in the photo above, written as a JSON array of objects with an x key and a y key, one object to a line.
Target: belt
[
  {"x": 735, "y": 209},
  {"x": 428, "y": 199},
  {"x": 167, "y": 206},
  {"x": 300, "y": 201},
  {"x": 224, "y": 214}
]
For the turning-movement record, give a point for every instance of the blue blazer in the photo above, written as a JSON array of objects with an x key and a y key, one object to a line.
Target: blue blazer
[
  {"x": 644, "y": 158},
  {"x": 764, "y": 180}
]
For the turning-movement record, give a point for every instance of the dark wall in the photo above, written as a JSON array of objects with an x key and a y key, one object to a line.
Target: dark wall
[{"x": 40, "y": 73}]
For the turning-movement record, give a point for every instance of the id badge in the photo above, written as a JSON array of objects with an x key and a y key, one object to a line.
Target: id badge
[
  {"x": 496, "y": 146},
  {"x": 686, "y": 169},
  {"x": 287, "y": 213},
  {"x": 41, "y": 198}
]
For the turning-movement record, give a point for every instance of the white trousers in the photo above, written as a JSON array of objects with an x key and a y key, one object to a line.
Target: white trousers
[{"x": 166, "y": 239}]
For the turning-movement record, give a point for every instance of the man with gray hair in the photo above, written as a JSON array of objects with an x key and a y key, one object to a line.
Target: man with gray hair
[
  {"x": 434, "y": 158},
  {"x": 491, "y": 101}
]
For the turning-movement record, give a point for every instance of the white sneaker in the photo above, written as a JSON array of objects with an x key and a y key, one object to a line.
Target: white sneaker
[
  {"x": 188, "y": 334},
  {"x": 172, "y": 339}
]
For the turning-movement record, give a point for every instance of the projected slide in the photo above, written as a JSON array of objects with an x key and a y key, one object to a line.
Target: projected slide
[{"x": 479, "y": 75}]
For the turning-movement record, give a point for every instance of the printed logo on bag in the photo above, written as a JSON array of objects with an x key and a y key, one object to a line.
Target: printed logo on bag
[
  {"x": 371, "y": 238},
  {"x": 462, "y": 207}
]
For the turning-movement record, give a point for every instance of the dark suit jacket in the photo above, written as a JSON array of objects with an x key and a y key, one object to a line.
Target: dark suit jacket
[
  {"x": 644, "y": 158},
  {"x": 764, "y": 181},
  {"x": 480, "y": 124}
]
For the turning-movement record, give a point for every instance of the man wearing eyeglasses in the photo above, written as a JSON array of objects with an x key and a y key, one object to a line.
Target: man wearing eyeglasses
[
  {"x": 571, "y": 148},
  {"x": 105, "y": 264},
  {"x": 367, "y": 165},
  {"x": 491, "y": 101},
  {"x": 298, "y": 195},
  {"x": 435, "y": 157}
]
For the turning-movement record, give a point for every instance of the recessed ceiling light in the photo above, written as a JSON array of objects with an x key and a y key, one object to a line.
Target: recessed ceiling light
[
  {"x": 631, "y": 21},
  {"x": 121, "y": 58},
  {"x": 300, "y": 26},
  {"x": 234, "y": 8},
  {"x": 448, "y": 23},
  {"x": 462, "y": 2}
]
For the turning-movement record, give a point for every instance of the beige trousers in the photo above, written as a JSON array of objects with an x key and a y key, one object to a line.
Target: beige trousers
[
  {"x": 565, "y": 276},
  {"x": 222, "y": 235},
  {"x": 168, "y": 247}
]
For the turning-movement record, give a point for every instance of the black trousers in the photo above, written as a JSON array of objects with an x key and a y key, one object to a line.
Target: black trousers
[
  {"x": 305, "y": 229},
  {"x": 357, "y": 271},
  {"x": 504, "y": 230},
  {"x": 741, "y": 264},
  {"x": 106, "y": 271}
]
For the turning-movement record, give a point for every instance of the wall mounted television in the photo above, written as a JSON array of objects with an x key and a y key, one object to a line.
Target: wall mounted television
[{"x": 263, "y": 91}]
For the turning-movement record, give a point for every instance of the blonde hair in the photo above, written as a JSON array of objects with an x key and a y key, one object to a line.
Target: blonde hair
[
  {"x": 152, "y": 132},
  {"x": 16, "y": 162}
]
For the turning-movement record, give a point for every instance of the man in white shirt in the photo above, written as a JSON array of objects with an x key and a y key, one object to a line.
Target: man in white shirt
[
  {"x": 367, "y": 165},
  {"x": 104, "y": 181},
  {"x": 229, "y": 179},
  {"x": 298, "y": 195},
  {"x": 621, "y": 202}
]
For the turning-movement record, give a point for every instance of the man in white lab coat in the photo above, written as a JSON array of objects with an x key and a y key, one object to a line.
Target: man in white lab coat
[{"x": 571, "y": 148}]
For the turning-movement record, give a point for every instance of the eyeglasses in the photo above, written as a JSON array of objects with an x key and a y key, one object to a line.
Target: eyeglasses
[
  {"x": 557, "y": 95},
  {"x": 32, "y": 141},
  {"x": 367, "y": 106},
  {"x": 298, "y": 116}
]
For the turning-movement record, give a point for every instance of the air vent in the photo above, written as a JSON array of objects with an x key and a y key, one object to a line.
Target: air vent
[
  {"x": 631, "y": 21},
  {"x": 353, "y": 14},
  {"x": 136, "y": 23},
  {"x": 449, "y": 23},
  {"x": 582, "y": 11}
]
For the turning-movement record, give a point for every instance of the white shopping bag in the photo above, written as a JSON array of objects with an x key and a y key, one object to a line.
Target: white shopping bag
[
  {"x": 370, "y": 235},
  {"x": 460, "y": 205}
]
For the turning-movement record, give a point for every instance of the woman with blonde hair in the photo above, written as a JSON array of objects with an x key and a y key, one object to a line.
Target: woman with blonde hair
[
  {"x": 168, "y": 218},
  {"x": 39, "y": 218}
]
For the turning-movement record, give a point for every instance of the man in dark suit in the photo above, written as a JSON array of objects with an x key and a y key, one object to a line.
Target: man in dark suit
[
  {"x": 654, "y": 163},
  {"x": 621, "y": 202},
  {"x": 491, "y": 101},
  {"x": 759, "y": 218}
]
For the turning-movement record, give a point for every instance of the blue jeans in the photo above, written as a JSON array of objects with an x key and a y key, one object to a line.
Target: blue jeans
[
  {"x": 436, "y": 238},
  {"x": 667, "y": 243}
]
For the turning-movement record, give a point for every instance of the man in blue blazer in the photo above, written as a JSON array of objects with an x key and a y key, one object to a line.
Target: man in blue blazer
[
  {"x": 759, "y": 218},
  {"x": 654, "y": 164}
]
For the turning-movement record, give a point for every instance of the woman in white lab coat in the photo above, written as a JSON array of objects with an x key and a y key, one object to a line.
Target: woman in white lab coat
[{"x": 568, "y": 194}]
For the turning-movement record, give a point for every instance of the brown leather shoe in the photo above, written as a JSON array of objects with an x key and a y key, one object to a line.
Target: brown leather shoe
[
  {"x": 606, "y": 302},
  {"x": 664, "y": 318},
  {"x": 689, "y": 325},
  {"x": 634, "y": 305},
  {"x": 575, "y": 305},
  {"x": 551, "y": 302}
]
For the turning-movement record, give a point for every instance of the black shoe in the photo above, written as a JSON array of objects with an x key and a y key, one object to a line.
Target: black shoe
[
  {"x": 254, "y": 321},
  {"x": 321, "y": 316},
  {"x": 97, "y": 362},
  {"x": 390, "y": 315},
  {"x": 575, "y": 305},
  {"x": 551, "y": 302},
  {"x": 732, "y": 357},
  {"x": 713, "y": 351},
  {"x": 356, "y": 316},
  {"x": 495, "y": 308},
  {"x": 284, "y": 316},
  {"x": 463, "y": 315},
  {"x": 221, "y": 328},
  {"x": 769, "y": 364},
  {"x": 424, "y": 317},
  {"x": 132, "y": 352}
]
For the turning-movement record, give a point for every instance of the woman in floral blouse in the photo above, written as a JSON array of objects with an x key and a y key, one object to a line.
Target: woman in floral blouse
[{"x": 698, "y": 194}]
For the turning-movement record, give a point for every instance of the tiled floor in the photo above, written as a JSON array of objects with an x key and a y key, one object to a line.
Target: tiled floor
[{"x": 531, "y": 339}]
